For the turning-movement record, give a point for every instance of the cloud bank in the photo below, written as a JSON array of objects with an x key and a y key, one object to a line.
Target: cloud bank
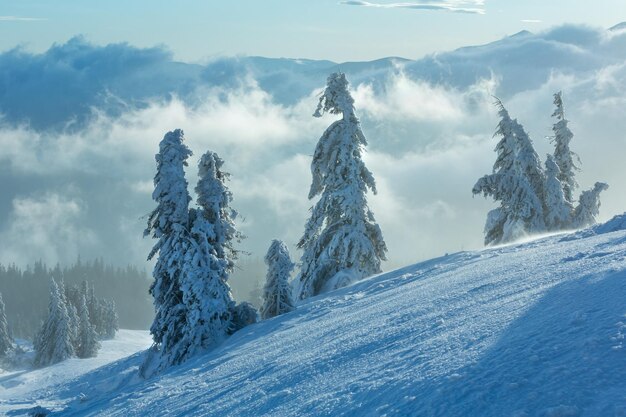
[{"x": 76, "y": 163}]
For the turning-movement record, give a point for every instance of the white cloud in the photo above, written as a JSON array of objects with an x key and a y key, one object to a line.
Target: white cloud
[
  {"x": 460, "y": 6},
  {"x": 20, "y": 19},
  {"x": 45, "y": 228},
  {"x": 429, "y": 142}
]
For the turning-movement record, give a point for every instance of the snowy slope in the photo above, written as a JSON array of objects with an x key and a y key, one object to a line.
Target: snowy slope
[
  {"x": 18, "y": 389},
  {"x": 535, "y": 329}
]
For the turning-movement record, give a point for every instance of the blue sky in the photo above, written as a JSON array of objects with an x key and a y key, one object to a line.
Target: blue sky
[{"x": 320, "y": 29}]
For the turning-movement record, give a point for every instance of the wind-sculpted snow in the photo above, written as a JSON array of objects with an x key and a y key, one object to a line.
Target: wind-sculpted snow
[{"x": 534, "y": 329}]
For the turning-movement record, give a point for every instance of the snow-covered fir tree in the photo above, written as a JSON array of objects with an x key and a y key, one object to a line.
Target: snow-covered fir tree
[
  {"x": 528, "y": 165},
  {"x": 588, "y": 207},
  {"x": 558, "y": 209},
  {"x": 277, "y": 298},
  {"x": 110, "y": 320},
  {"x": 214, "y": 199},
  {"x": 516, "y": 182},
  {"x": 563, "y": 156},
  {"x": 168, "y": 223},
  {"x": 88, "y": 344},
  {"x": 209, "y": 259},
  {"x": 6, "y": 342},
  {"x": 54, "y": 342},
  {"x": 342, "y": 241},
  {"x": 72, "y": 312}
]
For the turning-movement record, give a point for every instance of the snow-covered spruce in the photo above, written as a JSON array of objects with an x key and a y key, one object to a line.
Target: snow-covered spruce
[
  {"x": 6, "y": 342},
  {"x": 72, "y": 312},
  {"x": 208, "y": 260},
  {"x": 588, "y": 208},
  {"x": 516, "y": 182},
  {"x": 342, "y": 241},
  {"x": 563, "y": 156},
  {"x": 558, "y": 208},
  {"x": 168, "y": 223},
  {"x": 277, "y": 297},
  {"x": 102, "y": 313},
  {"x": 54, "y": 342},
  {"x": 110, "y": 320},
  {"x": 88, "y": 344},
  {"x": 214, "y": 199}
]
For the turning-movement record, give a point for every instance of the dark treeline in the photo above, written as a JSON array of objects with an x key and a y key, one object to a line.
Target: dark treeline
[{"x": 26, "y": 292}]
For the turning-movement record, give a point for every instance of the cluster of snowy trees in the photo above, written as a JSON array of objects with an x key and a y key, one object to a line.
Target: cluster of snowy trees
[
  {"x": 534, "y": 199},
  {"x": 194, "y": 306},
  {"x": 342, "y": 243},
  {"x": 6, "y": 341},
  {"x": 26, "y": 292},
  {"x": 77, "y": 320}
]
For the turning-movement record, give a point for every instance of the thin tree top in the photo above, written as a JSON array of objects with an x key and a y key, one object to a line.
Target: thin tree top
[
  {"x": 212, "y": 195},
  {"x": 559, "y": 112},
  {"x": 170, "y": 185},
  {"x": 278, "y": 252},
  {"x": 336, "y": 98}
]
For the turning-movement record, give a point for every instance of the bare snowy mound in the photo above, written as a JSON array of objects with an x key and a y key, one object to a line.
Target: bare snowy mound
[{"x": 535, "y": 329}]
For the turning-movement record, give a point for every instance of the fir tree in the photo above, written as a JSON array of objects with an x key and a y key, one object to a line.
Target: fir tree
[
  {"x": 563, "y": 156},
  {"x": 168, "y": 223},
  {"x": 88, "y": 344},
  {"x": 6, "y": 342},
  {"x": 528, "y": 165},
  {"x": 588, "y": 206},
  {"x": 209, "y": 259},
  {"x": 214, "y": 199},
  {"x": 110, "y": 323},
  {"x": 277, "y": 298},
  {"x": 54, "y": 342},
  {"x": 558, "y": 209},
  {"x": 72, "y": 312},
  {"x": 517, "y": 182},
  {"x": 341, "y": 236}
]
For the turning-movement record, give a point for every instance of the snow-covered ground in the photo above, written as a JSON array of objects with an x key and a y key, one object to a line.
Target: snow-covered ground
[
  {"x": 534, "y": 329},
  {"x": 25, "y": 388}
]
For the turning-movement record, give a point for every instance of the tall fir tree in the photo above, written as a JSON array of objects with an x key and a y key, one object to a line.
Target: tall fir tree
[
  {"x": 6, "y": 342},
  {"x": 88, "y": 344},
  {"x": 168, "y": 223},
  {"x": 110, "y": 323},
  {"x": 214, "y": 199},
  {"x": 209, "y": 259},
  {"x": 54, "y": 342},
  {"x": 564, "y": 157},
  {"x": 277, "y": 297},
  {"x": 72, "y": 312},
  {"x": 558, "y": 209},
  {"x": 528, "y": 166},
  {"x": 517, "y": 182},
  {"x": 342, "y": 241},
  {"x": 588, "y": 208}
]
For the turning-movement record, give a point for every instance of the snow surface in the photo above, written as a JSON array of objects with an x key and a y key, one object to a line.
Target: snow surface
[
  {"x": 533, "y": 329},
  {"x": 25, "y": 388}
]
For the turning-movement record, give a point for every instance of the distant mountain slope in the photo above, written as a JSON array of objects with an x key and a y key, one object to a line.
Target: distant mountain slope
[
  {"x": 534, "y": 329},
  {"x": 79, "y": 77}
]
